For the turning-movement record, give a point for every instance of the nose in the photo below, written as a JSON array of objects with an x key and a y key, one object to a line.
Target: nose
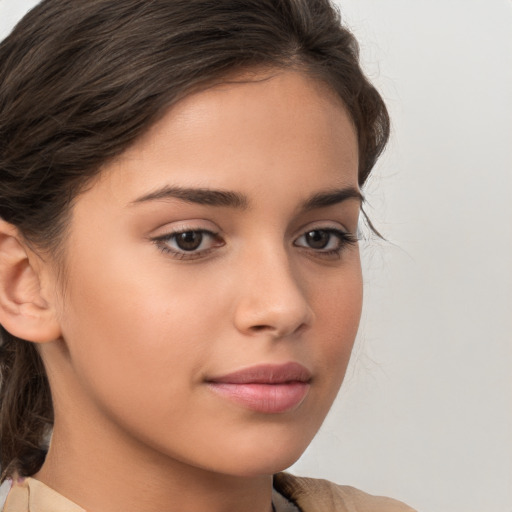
[{"x": 272, "y": 299}]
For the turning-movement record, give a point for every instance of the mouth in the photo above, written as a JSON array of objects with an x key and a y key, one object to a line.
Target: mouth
[{"x": 268, "y": 389}]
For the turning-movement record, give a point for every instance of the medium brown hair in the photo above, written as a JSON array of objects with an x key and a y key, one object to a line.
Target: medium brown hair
[{"x": 81, "y": 81}]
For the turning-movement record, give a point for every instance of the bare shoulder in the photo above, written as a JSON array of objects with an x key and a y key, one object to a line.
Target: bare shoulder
[{"x": 316, "y": 495}]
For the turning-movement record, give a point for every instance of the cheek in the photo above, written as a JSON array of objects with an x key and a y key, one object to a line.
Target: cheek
[
  {"x": 338, "y": 307},
  {"x": 139, "y": 345},
  {"x": 140, "y": 333},
  {"x": 137, "y": 355}
]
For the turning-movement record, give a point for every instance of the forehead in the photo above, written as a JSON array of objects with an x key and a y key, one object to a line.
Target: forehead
[{"x": 251, "y": 132}]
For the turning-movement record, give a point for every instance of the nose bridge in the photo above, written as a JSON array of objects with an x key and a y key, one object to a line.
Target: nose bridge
[{"x": 272, "y": 298}]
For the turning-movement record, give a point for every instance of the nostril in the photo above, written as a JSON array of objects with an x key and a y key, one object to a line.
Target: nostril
[
  {"x": 276, "y": 330},
  {"x": 258, "y": 328}
]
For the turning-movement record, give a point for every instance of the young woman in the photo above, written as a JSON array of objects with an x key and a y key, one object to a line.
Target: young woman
[{"x": 180, "y": 284}]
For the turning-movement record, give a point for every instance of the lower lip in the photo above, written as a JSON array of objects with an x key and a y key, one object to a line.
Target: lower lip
[{"x": 264, "y": 398}]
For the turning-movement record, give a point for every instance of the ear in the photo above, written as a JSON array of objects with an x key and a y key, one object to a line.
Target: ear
[{"x": 24, "y": 310}]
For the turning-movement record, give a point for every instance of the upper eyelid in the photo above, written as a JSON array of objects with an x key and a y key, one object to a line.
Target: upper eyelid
[
  {"x": 346, "y": 235},
  {"x": 168, "y": 228},
  {"x": 170, "y": 234},
  {"x": 178, "y": 231},
  {"x": 321, "y": 225},
  {"x": 161, "y": 242},
  {"x": 342, "y": 234},
  {"x": 209, "y": 226},
  {"x": 310, "y": 226},
  {"x": 298, "y": 232}
]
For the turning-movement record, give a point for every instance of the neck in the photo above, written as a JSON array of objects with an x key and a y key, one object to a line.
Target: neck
[{"x": 104, "y": 473}]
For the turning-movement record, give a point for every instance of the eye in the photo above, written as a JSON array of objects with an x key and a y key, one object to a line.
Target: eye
[
  {"x": 191, "y": 243},
  {"x": 189, "y": 240},
  {"x": 327, "y": 241}
]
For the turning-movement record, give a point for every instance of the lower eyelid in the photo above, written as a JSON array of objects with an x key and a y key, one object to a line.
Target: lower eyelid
[
  {"x": 163, "y": 242},
  {"x": 342, "y": 235},
  {"x": 344, "y": 238}
]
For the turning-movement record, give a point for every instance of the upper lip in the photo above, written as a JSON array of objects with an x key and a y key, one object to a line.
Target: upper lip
[{"x": 266, "y": 374}]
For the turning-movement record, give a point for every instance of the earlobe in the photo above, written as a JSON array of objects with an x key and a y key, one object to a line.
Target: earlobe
[{"x": 24, "y": 310}]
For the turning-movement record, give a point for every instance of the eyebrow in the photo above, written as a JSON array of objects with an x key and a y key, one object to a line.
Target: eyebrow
[
  {"x": 238, "y": 201},
  {"x": 204, "y": 196},
  {"x": 331, "y": 197}
]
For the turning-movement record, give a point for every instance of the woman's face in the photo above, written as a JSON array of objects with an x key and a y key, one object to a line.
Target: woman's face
[{"x": 213, "y": 285}]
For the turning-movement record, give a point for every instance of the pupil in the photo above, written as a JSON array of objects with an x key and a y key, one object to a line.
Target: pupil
[
  {"x": 317, "y": 239},
  {"x": 189, "y": 241}
]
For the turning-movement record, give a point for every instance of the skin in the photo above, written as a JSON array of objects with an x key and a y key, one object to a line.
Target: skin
[{"x": 142, "y": 329}]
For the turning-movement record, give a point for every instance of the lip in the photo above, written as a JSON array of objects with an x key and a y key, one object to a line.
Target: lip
[{"x": 266, "y": 388}]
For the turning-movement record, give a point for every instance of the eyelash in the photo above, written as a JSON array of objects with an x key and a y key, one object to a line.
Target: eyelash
[
  {"x": 163, "y": 241},
  {"x": 345, "y": 239}
]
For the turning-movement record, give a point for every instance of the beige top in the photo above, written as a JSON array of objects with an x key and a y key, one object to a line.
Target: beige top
[
  {"x": 290, "y": 494},
  {"x": 314, "y": 495}
]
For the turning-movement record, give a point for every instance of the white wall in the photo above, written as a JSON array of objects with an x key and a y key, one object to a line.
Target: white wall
[{"x": 425, "y": 414}]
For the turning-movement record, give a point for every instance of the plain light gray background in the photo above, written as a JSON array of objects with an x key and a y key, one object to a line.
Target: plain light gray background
[{"x": 425, "y": 414}]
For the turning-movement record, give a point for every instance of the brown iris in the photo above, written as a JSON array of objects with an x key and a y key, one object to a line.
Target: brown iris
[
  {"x": 189, "y": 240},
  {"x": 317, "y": 239}
]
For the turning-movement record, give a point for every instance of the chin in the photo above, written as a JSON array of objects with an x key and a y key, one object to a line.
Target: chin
[
  {"x": 269, "y": 467},
  {"x": 264, "y": 466},
  {"x": 263, "y": 457}
]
